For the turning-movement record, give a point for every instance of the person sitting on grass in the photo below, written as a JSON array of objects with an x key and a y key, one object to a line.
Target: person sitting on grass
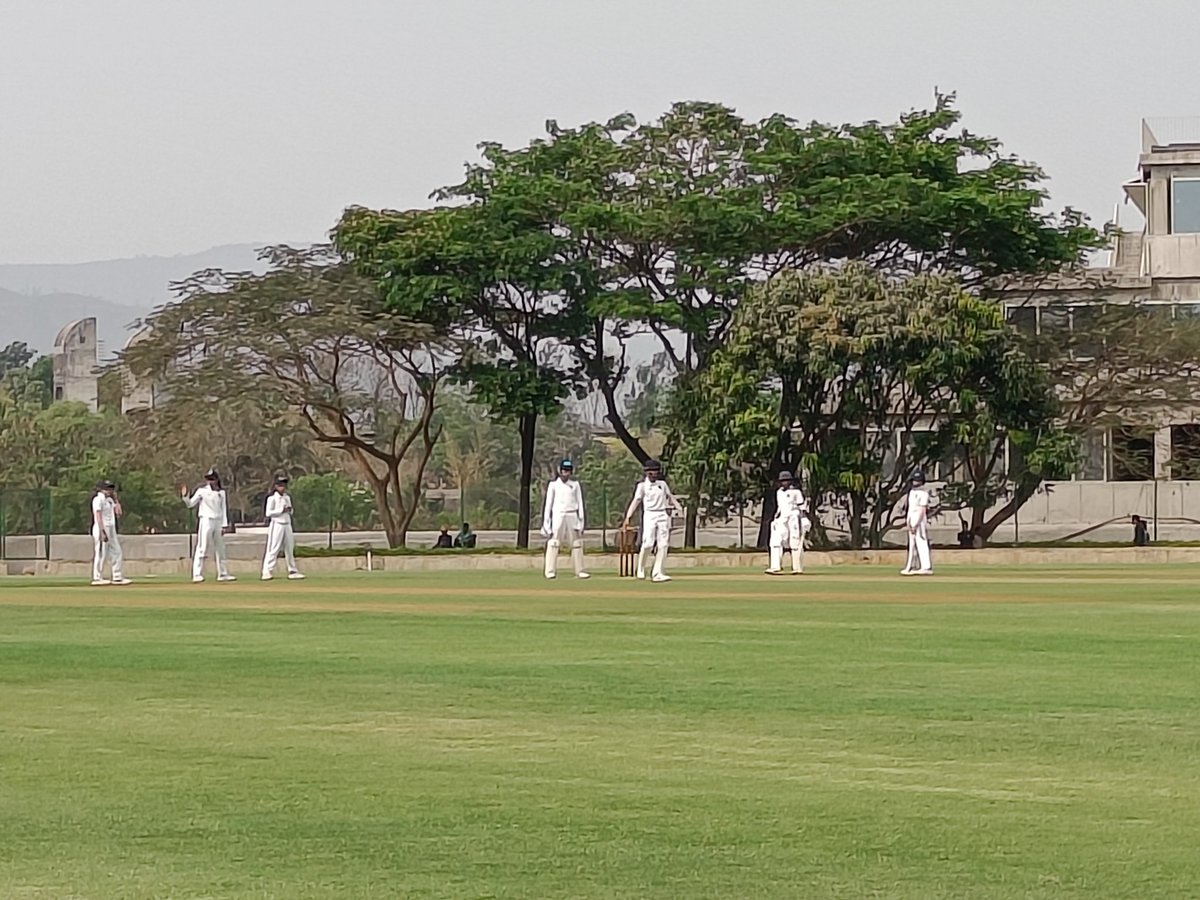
[
  {"x": 465, "y": 539},
  {"x": 444, "y": 541}
]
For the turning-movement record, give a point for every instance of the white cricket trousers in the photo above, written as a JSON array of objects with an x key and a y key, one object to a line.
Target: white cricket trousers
[
  {"x": 656, "y": 530},
  {"x": 209, "y": 536},
  {"x": 106, "y": 551},
  {"x": 280, "y": 538},
  {"x": 789, "y": 530},
  {"x": 919, "y": 558},
  {"x": 565, "y": 529}
]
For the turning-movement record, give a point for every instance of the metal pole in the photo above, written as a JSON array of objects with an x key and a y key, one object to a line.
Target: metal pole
[
  {"x": 49, "y": 521},
  {"x": 741, "y": 523},
  {"x": 1017, "y": 527},
  {"x": 329, "y": 502},
  {"x": 604, "y": 517},
  {"x": 1156, "y": 510}
]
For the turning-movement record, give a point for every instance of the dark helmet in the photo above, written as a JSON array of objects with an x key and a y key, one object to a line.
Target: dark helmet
[
  {"x": 566, "y": 466},
  {"x": 211, "y": 475},
  {"x": 785, "y": 475},
  {"x": 652, "y": 465},
  {"x": 107, "y": 485},
  {"x": 281, "y": 479},
  {"x": 917, "y": 476}
]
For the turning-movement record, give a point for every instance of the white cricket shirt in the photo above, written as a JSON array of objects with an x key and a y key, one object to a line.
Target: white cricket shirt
[
  {"x": 211, "y": 503},
  {"x": 103, "y": 504},
  {"x": 562, "y": 497},
  {"x": 654, "y": 496},
  {"x": 279, "y": 508},
  {"x": 789, "y": 502},
  {"x": 918, "y": 506}
]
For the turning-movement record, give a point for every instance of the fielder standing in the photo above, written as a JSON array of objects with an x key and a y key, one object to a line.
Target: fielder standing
[
  {"x": 658, "y": 506},
  {"x": 919, "y": 561},
  {"x": 789, "y": 526},
  {"x": 280, "y": 536},
  {"x": 213, "y": 510},
  {"x": 563, "y": 519},
  {"x": 106, "y": 545}
]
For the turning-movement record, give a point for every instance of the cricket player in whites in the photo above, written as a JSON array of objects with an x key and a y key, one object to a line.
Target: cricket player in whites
[
  {"x": 658, "y": 506},
  {"x": 790, "y": 525},
  {"x": 917, "y": 519},
  {"x": 106, "y": 545},
  {"x": 279, "y": 531},
  {"x": 562, "y": 520},
  {"x": 214, "y": 519}
]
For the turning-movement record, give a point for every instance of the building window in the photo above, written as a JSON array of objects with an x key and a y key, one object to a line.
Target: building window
[
  {"x": 1088, "y": 342},
  {"x": 1024, "y": 319},
  {"x": 58, "y": 393},
  {"x": 1131, "y": 454},
  {"x": 1091, "y": 457},
  {"x": 1185, "y": 205},
  {"x": 1185, "y": 452}
]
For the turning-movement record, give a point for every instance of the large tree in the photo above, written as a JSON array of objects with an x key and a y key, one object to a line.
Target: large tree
[
  {"x": 857, "y": 377},
  {"x": 494, "y": 276},
  {"x": 678, "y": 218},
  {"x": 312, "y": 336}
]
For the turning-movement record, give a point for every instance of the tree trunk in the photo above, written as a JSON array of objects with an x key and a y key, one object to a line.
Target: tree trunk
[
  {"x": 1026, "y": 487},
  {"x": 693, "y": 512},
  {"x": 527, "y": 426},
  {"x": 858, "y": 509},
  {"x": 764, "y": 520}
]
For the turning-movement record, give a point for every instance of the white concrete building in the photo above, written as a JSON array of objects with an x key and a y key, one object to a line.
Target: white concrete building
[
  {"x": 76, "y": 363},
  {"x": 1144, "y": 465}
]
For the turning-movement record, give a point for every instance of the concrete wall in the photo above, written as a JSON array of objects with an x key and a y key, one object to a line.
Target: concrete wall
[{"x": 608, "y": 563}]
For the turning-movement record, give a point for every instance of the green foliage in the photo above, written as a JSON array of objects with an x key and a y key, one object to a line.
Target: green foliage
[
  {"x": 855, "y": 379},
  {"x": 331, "y": 501},
  {"x": 311, "y": 338}
]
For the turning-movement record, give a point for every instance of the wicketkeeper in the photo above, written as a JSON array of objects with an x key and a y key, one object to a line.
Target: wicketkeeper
[{"x": 790, "y": 525}]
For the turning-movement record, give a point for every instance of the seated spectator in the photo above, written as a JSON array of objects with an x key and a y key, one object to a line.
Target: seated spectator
[
  {"x": 465, "y": 537},
  {"x": 1141, "y": 534},
  {"x": 444, "y": 541}
]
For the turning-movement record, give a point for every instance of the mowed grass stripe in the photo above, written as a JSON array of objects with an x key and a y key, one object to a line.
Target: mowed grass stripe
[{"x": 697, "y": 739}]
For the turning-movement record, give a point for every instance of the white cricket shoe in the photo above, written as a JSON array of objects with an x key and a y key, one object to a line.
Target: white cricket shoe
[
  {"x": 552, "y": 576},
  {"x": 98, "y": 582},
  {"x": 907, "y": 572},
  {"x": 226, "y": 578},
  {"x": 774, "y": 572},
  {"x": 582, "y": 575},
  {"x": 923, "y": 572},
  {"x": 199, "y": 579},
  {"x": 295, "y": 576},
  {"x": 797, "y": 571},
  {"x": 659, "y": 579},
  {"x": 641, "y": 574},
  {"x": 267, "y": 577},
  {"x": 122, "y": 581}
]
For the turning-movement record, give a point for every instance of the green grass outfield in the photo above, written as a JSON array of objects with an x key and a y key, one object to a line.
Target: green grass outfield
[{"x": 985, "y": 733}]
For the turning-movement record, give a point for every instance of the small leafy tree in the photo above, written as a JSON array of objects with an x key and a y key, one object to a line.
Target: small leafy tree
[
  {"x": 856, "y": 378},
  {"x": 311, "y": 336}
]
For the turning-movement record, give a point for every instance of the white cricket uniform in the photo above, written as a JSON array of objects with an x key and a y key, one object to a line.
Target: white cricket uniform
[
  {"x": 109, "y": 550},
  {"x": 789, "y": 526},
  {"x": 658, "y": 504},
  {"x": 562, "y": 523},
  {"x": 917, "y": 520},
  {"x": 213, "y": 512},
  {"x": 280, "y": 537}
]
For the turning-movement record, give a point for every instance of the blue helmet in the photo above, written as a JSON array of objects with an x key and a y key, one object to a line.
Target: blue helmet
[{"x": 917, "y": 476}]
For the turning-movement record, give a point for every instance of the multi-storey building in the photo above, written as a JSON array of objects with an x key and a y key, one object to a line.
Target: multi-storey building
[{"x": 1145, "y": 465}]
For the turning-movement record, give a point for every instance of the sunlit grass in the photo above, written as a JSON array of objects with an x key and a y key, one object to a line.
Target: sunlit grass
[{"x": 985, "y": 733}]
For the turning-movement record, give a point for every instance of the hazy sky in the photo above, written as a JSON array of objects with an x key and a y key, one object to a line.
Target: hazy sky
[{"x": 133, "y": 127}]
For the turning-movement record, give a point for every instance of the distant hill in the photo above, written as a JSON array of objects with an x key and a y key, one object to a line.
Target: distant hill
[
  {"x": 140, "y": 282},
  {"x": 37, "y": 319}
]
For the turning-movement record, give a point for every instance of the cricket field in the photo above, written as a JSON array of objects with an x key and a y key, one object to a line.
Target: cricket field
[{"x": 984, "y": 733}]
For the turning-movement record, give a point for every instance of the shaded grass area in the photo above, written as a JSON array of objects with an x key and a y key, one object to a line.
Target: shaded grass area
[{"x": 987, "y": 733}]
